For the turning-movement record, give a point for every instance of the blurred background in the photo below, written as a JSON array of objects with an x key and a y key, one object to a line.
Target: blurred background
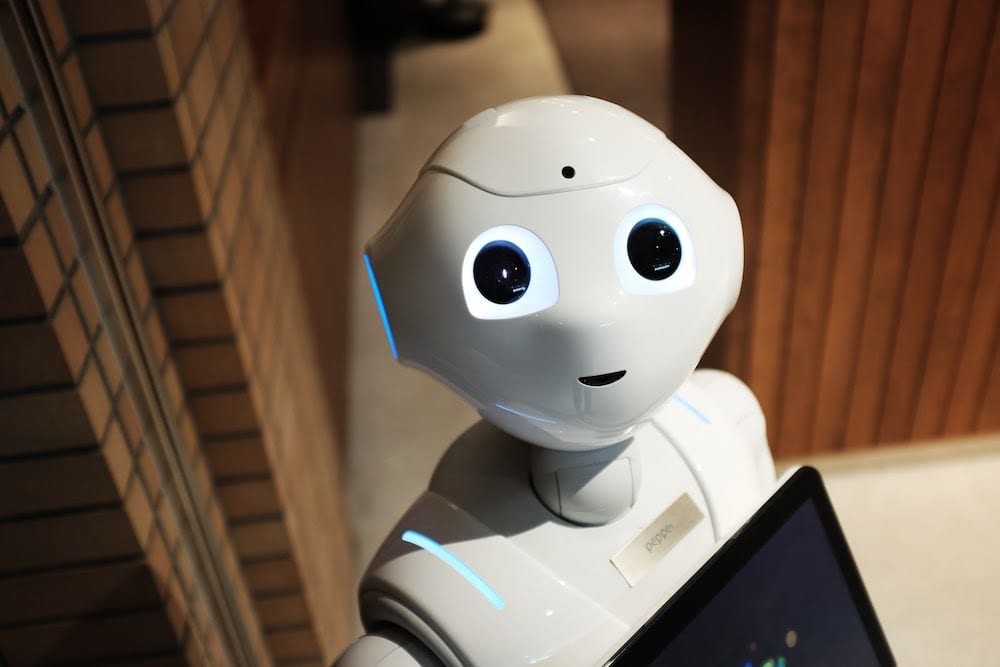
[{"x": 203, "y": 436}]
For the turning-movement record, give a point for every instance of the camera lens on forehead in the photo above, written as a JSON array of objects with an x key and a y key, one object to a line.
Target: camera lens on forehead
[
  {"x": 654, "y": 249},
  {"x": 501, "y": 272}
]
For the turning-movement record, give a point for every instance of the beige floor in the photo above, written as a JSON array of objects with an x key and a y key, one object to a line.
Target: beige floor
[{"x": 924, "y": 522}]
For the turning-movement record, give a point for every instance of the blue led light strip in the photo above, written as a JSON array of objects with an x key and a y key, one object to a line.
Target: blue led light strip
[
  {"x": 381, "y": 307},
  {"x": 453, "y": 561},
  {"x": 524, "y": 414},
  {"x": 693, "y": 410}
]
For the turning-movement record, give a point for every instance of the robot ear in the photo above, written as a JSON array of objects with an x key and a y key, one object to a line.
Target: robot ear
[
  {"x": 653, "y": 251},
  {"x": 508, "y": 272}
]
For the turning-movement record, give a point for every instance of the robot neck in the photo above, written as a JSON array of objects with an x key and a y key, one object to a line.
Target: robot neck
[{"x": 590, "y": 487}]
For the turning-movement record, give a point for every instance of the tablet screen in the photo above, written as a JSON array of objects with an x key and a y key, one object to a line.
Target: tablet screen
[{"x": 783, "y": 592}]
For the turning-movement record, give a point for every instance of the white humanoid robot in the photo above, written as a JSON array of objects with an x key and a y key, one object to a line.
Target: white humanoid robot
[{"x": 563, "y": 266}]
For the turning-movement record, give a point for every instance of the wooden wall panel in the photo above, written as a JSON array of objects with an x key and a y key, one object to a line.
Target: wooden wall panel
[
  {"x": 956, "y": 103},
  {"x": 909, "y": 138},
  {"x": 785, "y": 160},
  {"x": 954, "y": 327},
  {"x": 980, "y": 342},
  {"x": 832, "y": 108},
  {"x": 989, "y": 414},
  {"x": 751, "y": 121},
  {"x": 867, "y": 152},
  {"x": 869, "y": 194}
]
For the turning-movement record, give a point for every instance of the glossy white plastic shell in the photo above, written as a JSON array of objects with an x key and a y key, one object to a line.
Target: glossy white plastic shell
[
  {"x": 602, "y": 143},
  {"x": 485, "y": 568},
  {"x": 564, "y": 600},
  {"x": 523, "y": 373}
]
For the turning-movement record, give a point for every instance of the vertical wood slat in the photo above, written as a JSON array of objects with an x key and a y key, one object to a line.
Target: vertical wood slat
[
  {"x": 835, "y": 94},
  {"x": 989, "y": 409},
  {"x": 712, "y": 94},
  {"x": 791, "y": 93},
  {"x": 957, "y": 97},
  {"x": 867, "y": 174},
  {"x": 878, "y": 82},
  {"x": 953, "y": 329},
  {"x": 757, "y": 35},
  {"x": 988, "y": 417},
  {"x": 981, "y": 341},
  {"x": 922, "y": 63}
]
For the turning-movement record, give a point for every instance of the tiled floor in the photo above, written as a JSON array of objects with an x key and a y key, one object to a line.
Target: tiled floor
[{"x": 923, "y": 522}]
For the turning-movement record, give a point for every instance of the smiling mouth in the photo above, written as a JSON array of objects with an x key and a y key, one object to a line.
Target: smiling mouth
[{"x": 602, "y": 380}]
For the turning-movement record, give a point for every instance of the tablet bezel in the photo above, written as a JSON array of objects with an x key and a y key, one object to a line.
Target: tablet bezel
[{"x": 680, "y": 610}]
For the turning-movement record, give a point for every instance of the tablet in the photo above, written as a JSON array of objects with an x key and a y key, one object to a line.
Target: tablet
[{"x": 782, "y": 592}]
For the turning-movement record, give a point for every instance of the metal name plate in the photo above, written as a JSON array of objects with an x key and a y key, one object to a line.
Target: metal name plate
[{"x": 637, "y": 557}]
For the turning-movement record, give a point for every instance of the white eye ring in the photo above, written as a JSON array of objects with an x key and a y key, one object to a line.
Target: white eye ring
[
  {"x": 543, "y": 285},
  {"x": 632, "y": 281}
]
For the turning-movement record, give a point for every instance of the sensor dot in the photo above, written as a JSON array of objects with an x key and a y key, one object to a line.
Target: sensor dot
[{"x": 568, "y": 172}]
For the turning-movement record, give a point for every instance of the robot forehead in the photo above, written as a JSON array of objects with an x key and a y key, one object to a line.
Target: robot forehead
[{"x": 548, "y": 144}]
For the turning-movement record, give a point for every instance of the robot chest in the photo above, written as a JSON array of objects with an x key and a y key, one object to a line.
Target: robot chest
[{"x": 490, "y": 577}]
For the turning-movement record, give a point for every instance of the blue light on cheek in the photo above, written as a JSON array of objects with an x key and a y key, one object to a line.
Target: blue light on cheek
[
  {"x": 452, "y": 561},
  {"x": 381, "y": 307}
]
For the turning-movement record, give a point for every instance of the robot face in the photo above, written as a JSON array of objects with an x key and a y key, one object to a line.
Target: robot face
[{"x": 562, "y": 266}]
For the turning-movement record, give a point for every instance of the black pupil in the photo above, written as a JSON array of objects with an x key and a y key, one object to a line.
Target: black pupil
[
  {"x": 654, "y": 249},
  {"x": 501, "y": 272}
]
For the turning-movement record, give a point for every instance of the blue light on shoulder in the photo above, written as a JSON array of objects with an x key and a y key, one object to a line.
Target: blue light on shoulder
[
  {"x": 455, "y": 563},
  {"x": 692, "y": 409},
  {"x": 381, "y": 307}
]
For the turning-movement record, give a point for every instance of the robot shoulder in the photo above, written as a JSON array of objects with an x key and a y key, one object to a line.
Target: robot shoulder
[
  {"x": 387, "y": 647},
  {"x": 443, "y": 577},
  {"x": 716, "y": 424},
  {"x": 730, "y": 393}
]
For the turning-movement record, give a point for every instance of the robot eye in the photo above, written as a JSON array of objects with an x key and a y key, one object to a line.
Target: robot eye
[
  {"x": 508, "y": 272},
  {"x": 654, "y": 253},
  {"x": 501, "y": 272},
  {"x": 654, "y": 249}
]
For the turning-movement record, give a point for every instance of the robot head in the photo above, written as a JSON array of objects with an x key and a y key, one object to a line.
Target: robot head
[{"x": 561, "y": 265}]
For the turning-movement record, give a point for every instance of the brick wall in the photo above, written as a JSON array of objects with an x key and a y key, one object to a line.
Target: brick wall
[{"x": 161, "y": 103}]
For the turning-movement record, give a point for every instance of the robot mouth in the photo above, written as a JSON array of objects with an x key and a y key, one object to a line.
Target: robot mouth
[{"x": 602, "y": 380}]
